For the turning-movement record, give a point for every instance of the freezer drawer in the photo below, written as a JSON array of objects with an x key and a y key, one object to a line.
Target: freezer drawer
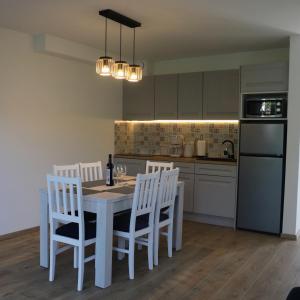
[
  {"x": 260, "y": 194},
  {"x": 262, "y": 138}
]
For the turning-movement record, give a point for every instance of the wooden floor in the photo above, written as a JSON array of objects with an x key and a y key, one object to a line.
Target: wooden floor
[{"x": 215, "y": 263}]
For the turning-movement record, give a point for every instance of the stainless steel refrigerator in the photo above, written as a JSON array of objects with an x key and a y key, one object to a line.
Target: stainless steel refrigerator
[{"x": 261, "y": 175}]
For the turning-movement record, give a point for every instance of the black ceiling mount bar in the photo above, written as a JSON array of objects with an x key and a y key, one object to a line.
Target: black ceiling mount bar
[{"x": 115, "y": 16}]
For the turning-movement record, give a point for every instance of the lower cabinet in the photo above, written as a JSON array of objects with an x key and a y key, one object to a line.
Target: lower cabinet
[
  {"x": 188, "y": 179},
  {"x": 209, "y": 189},
  {"x": 215, "y": 195},
  {"x": 133, "y": 166}
]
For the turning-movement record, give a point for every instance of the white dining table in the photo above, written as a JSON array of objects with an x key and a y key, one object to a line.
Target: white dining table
[{"x": 104, "y": 203}]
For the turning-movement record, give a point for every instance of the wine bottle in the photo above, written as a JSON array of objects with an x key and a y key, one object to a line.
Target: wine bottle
[{"x": 109, "y": 171}]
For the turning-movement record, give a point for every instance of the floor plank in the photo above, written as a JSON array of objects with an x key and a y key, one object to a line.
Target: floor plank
[{"x": 215, "y": 264}]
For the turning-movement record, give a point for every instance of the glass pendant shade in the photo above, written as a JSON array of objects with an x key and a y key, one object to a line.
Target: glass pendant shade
[
  {"x": 135, "y": 73},
  {"x": 104, "y": 66},
  {"x": 120, "y": 69}
]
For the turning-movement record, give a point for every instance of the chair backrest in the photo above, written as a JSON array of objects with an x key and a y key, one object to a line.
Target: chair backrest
[
  {"x": 145, "y": 196},
  {"x": 64, "y": 198},
  {"x": 154, "y": 166},
  {"x": 167, "y": 192},
  {"x": 67, "y": 170},
  {"x": 91, "y": 171}
]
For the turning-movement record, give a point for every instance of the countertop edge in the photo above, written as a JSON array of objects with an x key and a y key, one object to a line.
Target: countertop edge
[{"x": 177, "y": 159}]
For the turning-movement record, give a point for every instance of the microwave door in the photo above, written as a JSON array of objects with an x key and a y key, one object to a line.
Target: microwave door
[
  {"x": 262, "y": 138},
  {"x": 254, "y": 108}
]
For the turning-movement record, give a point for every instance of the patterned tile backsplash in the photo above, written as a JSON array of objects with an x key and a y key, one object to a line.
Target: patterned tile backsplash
[{"x": 154, "y": 138}]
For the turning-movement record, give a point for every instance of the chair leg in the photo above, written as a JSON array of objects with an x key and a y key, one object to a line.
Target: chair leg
[
  {"x": 75, "y": 262},
  {"x": 53, "y": 249},
  {"x": 80, "y": 267},
  {"x": 131, "y": 258},
  {"x": 156, "y": 245},
  {"x": 150, "y": 250},
  {"x": 170, "y": 240},
  {"x": 122, "y": 245}
]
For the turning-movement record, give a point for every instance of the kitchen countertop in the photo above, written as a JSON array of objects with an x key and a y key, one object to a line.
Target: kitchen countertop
[{"x": 207, "y": 160}]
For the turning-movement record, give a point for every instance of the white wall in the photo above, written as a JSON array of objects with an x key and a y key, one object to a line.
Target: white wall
[
  {"x": 291, "y": 220},
  {"x": 52, "y": 111},
  {"x": 219, "y": 62}
]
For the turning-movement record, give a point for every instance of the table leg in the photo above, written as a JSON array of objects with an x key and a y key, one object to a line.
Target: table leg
[
  {"x": 44, "y": 234},
  {"x": 104, "y": 238},
  {"x": 178, "y": 218}
]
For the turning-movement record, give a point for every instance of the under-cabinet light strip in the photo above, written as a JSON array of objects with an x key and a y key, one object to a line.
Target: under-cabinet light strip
[{"x": 182, "y": 121}]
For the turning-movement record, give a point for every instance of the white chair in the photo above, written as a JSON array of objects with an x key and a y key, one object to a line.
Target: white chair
[
  {"x": 135, "y": 225},
  {"x": 91, "y": 171},
  {"x": 164, "y": 212},
  {"x": 67, "y": 170},
  {"x": 154, "y": 166},
  {"x": 73, "y": 171},
  {"x": 75, "y": 232}
]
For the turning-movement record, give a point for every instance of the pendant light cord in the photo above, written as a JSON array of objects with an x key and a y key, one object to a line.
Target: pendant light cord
[
  {"x": 133, "y": 51},
  {"x": 105, "y": 37},
  {"x": 120, "y": 42}
]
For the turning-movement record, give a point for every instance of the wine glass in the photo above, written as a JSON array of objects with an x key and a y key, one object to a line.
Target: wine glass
[
  {"x": 123, "y": 171},
  {"x": 118, "y": 172}
]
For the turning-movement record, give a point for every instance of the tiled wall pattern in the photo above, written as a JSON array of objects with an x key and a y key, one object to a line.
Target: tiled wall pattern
[{"x": 154, "y": 138}]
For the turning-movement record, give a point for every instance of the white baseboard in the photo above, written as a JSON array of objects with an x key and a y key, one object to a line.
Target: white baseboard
[{"x": 293, "y": 237}]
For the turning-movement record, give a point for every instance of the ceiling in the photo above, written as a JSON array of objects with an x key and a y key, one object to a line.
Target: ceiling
[{"x": 170, "y": 29}]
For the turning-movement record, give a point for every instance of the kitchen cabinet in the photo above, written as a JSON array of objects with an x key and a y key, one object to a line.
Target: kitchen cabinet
[
  {"x": 188, "y": 179},
  {"x": 209, "y": 189},
  {"x": 185, "y": 167},
  {"x": 187, "y": 175},
  {"x": 215, "y": 195},
  {"x": 264, "y": 78},
  {"x": 166, "y": 97},
  {"x": 133, "y": 166},
  {"x": 138, "y": 99},
  {"x": 221, "y": 95},
  {"x": 215, "y": 190},
  {"x": 190, "y": 90},
  {"x": 215, "y": 169}
]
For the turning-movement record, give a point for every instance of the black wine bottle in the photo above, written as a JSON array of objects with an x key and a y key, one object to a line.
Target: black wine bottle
[{"x": 109, "y": 171}]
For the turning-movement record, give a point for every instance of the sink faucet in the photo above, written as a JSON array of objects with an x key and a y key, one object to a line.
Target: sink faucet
[{"x": 231, "y": 156}]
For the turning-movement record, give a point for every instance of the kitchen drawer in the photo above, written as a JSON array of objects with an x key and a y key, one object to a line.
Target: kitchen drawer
[
  {"x": 185, "y": 167},
  {"x": 216, "y": 170}
]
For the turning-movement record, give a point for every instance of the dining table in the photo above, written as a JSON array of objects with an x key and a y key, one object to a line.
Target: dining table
[{"x": 105, "y": 201}]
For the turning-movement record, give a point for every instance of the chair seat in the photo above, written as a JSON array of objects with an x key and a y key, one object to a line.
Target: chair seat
[
  {"x": 294, "y": 294},
  {"x": 88, "y": 216},
  {"x": 122, "y": 221},
  {"x": 71, "y": 230}
]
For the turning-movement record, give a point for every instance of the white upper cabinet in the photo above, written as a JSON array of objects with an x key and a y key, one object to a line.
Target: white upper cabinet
[
  {"x": 166, "y": 97},
  {"x": 221, "y": 95},
  {"x": 190, "y": 91},
  {"x": 138, "y": 99},
  {"x": 264, "y": 78}
]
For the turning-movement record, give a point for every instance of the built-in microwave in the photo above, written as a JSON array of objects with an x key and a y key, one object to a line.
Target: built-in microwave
[{"x": 265, "y": 105}]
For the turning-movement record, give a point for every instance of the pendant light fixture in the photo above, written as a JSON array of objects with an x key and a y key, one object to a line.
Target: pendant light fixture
[
  {"x": 135, "y": 71},
  {"x": 120, "y": 68},
  {"x": 104, "y": 65}
]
